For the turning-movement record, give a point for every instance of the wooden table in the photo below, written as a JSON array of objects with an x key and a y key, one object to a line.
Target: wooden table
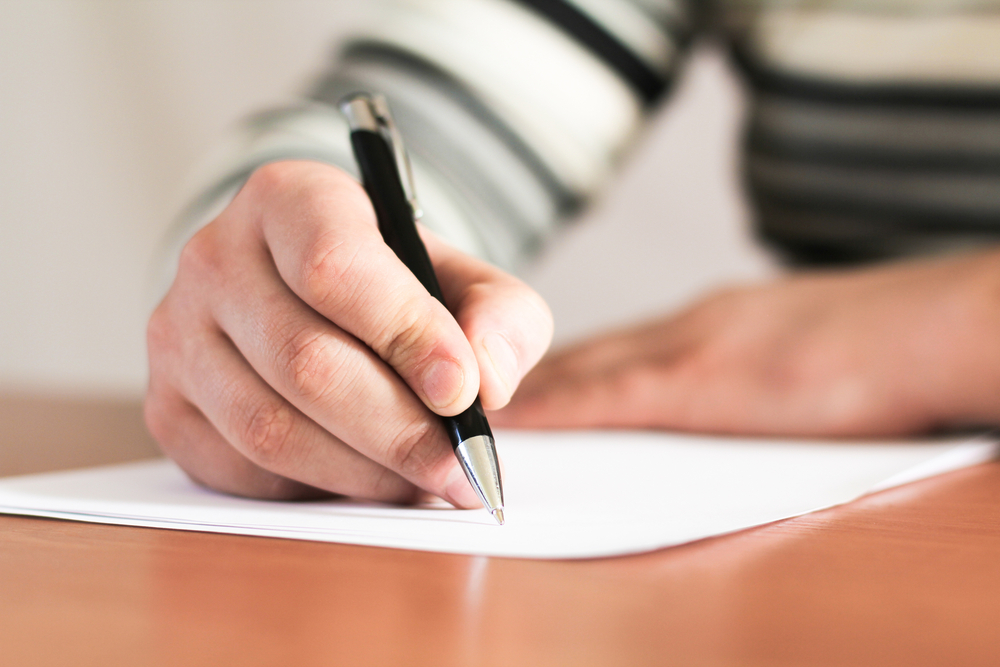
[{"x": 910, "y": 576}]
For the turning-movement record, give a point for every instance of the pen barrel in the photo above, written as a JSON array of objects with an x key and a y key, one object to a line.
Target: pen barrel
[
  {"x": 382, "y": 181},
  {"x": 467, "y": 424}
]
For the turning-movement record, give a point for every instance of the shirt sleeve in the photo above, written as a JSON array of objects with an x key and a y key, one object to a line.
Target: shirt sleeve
[{"x": 515, "y": 113}]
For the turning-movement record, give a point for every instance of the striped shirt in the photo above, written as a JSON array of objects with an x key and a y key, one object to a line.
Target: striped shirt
[{"x": 874, "y": 126}]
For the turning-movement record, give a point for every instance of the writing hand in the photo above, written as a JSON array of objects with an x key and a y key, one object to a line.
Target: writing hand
[{"x": 295, "y": 355}]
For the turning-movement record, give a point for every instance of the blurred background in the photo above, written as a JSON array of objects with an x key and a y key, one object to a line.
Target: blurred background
[{"x": 105, "y": 105}]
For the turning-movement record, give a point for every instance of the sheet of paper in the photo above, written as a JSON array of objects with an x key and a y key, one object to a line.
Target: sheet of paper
[{"x": 568, "y": 494}]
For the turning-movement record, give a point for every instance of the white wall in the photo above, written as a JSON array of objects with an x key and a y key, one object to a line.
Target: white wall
[{"x": 105, "y": 104}]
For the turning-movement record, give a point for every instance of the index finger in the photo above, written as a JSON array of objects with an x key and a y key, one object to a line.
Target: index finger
[{"x": 321, "y": 231}]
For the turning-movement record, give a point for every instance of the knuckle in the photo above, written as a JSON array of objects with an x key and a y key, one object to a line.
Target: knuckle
[
  {"x": 402, "y": 343},
  {"x": 313, "y": 185},
  {"x": 159, "y": 329},
  {"x": 313, "y": 366},
  {"x": 337, "y": 271},
  {"x": 165, "y": 345},
  {"x": 270, "y": 179},
  {"x": 269, "y": 433},
  {"x": 159, "y": 420},
  {"x": 201, "y": 255},
  {"x": 328, "y": 267},
  {"x": 412, "y": 453}
]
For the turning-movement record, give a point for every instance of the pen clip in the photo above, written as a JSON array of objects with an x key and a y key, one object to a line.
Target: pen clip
[
  {"x": 371, "y": 113},
  {"x": 380, "y": 106}
]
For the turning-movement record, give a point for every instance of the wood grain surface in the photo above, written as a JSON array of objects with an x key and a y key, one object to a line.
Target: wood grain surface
[{"x": 909, "y": 576}]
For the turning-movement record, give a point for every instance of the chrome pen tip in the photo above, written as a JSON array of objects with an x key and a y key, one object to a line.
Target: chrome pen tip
[{"x": 498, "y": 515}]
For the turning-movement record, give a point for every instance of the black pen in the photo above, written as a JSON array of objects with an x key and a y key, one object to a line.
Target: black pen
[{"x": 386, "y": 175}]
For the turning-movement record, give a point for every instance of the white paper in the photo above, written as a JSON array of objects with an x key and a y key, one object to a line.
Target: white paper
[{"x": 567, "y": 494}]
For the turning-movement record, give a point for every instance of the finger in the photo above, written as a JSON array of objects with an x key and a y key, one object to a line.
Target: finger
[
  {"x": 320, "y": 229},
  {"x": 642, "y": 377},
  {"x": 586, "y": 401},
  {"x": 271, "y": 433},
  {"x": 194, "y": 444},
  {"x": 552, "y": 397},
  {"x": 508, "y": 325},
  {"x": 339, "y": 385}
]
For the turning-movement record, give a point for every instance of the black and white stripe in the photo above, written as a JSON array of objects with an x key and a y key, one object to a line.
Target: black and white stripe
[
  {"x": 874, "y": 125},
  {"x": 877, "y": 155}
]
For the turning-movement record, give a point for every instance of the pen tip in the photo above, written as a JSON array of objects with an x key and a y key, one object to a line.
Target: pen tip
[{"x": 498, "y": 515}]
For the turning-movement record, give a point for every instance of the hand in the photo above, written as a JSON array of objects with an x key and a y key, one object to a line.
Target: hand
[
  {"x": 295, "y": 355},
  {"x": 887, "y": 351}
]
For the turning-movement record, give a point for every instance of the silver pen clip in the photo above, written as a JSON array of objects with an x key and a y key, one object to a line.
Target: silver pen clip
[{"x": 371, "y": 113}]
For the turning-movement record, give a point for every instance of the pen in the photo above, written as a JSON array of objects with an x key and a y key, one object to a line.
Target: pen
[{"x": 388, "y": 179}]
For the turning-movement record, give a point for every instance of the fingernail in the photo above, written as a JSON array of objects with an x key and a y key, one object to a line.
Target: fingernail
[
  {"x": 504, "y": 359},
  {"x": 459, "y": 490},
  {"x": 443, "y": 383}
]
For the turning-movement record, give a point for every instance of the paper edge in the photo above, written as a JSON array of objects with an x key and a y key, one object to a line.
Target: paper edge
[{"x": 978, "y": 449}]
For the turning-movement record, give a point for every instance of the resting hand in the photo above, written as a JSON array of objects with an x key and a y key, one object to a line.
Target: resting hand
[
  {"x": 295, "y": 355},
  {"x": 893, "y": 350}
]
